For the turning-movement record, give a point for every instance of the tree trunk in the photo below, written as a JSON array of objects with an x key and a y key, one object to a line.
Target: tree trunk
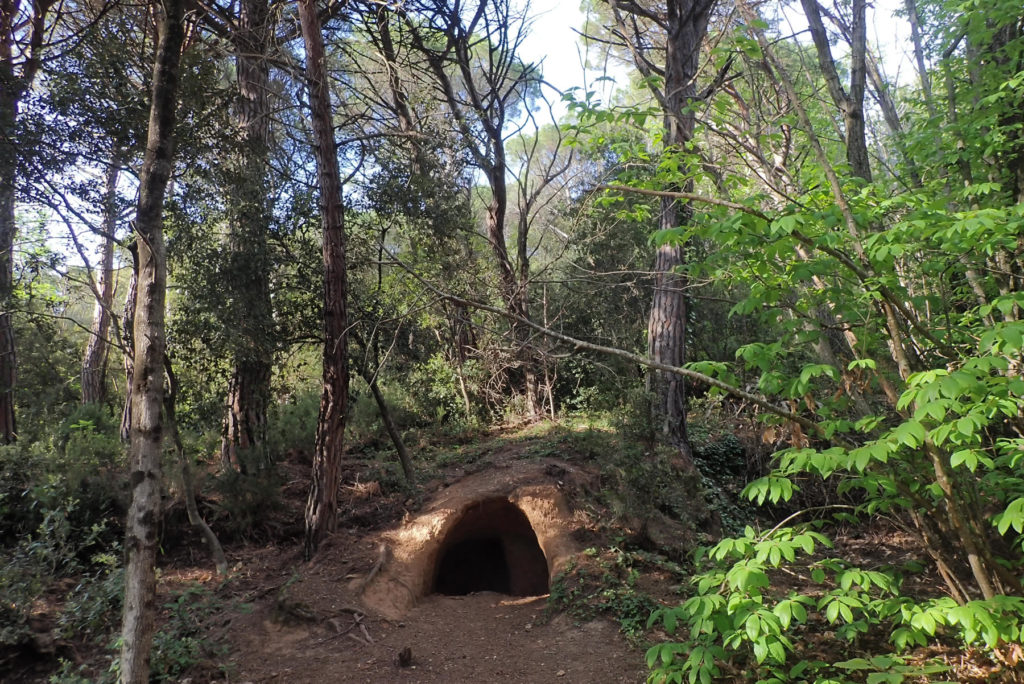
[
  {"x": 128, "y": 341},
  {"x": 922, "y": 68},
  {"x": 244, "y": 430},
  {"x": 322, "y": 505},
  {"x": 188, "y": 490},
  {"x": 94, "y": 364},
  {"x": 245, "y": 421},
  {"x": 851, "y": 103},
  {"x": 666, "y": 339},
  {"x": 9, "y": 96},
  {"x": 404, "y": 459},
  {"x": 148, "y": 378},
  {"x": 686, "y": 25},
  {"x": 8, "y": 432},
  {"x": 524, "y": 378}
]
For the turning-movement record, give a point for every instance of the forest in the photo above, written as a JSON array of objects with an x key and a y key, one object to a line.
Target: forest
[{"x": 749, "y": 298}]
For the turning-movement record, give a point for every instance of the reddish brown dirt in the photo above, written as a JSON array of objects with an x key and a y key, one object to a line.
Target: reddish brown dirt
[
  {"x": 303, "y": 630},
  {"x": 302, "y": 626},
  {"x": 478, "y": 638}
]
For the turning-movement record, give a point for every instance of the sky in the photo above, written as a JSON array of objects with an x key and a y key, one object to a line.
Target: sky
[{"x": 553, "y": 41}]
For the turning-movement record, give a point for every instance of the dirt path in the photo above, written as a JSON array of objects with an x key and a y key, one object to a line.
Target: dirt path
[{"x": 482, "y": 637}]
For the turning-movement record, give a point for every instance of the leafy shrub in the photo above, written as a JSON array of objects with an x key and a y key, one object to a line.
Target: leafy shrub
[
  {"x": 181, "y": 645},
  {"x": 639, "y": 484},
  {"x": 245, "y": 503},
  {"x": 28, "y": 568},
  {"x": 292, "y": 425},
  {"x": 182, "y": 642},
  {"x": 603, "y": 583},
  {"x": 736, "y": 616},
  {"x": 23, "y": 475},
  {"x": 94, "y": 605}
]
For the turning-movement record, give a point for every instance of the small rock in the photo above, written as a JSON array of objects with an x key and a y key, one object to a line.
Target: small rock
[
  {"x": 528, "y": 627},
  {"x": 560, "y": 673}
]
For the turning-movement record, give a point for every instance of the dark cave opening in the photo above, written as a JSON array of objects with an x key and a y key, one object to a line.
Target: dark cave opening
[{"x": 492, "y": 548}]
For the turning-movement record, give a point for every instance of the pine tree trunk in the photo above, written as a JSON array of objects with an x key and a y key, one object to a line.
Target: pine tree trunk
[
  {"x": 666, "y": 327},
  {"x": 666, "y": 339},
  {"x": 244, "y": 430},
  {"x": 148, "y": 378},
  {"x": 94, "y": 363},
  {"x": 245, "y": 420},
  {"x": 322, "y": 505}
]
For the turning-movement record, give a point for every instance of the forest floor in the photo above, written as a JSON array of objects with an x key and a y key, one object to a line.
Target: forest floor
[
  {"x": 278, "y": 618},
  {"x": 286, "y": 620}
]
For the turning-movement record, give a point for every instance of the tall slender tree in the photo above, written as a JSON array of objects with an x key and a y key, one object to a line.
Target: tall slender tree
[
  {"x": 23, "y": 37},
  {"x": 683, "y": 25},
  {"x": 472, "y": 54},
  {"x": 248, "y": 267},
  {"x": 322, "y": 505},
  {"x": 94, "y": 362},
  {"x": 149, "y": 338}
]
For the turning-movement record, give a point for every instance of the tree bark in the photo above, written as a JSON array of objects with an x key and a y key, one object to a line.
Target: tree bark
[
  {"x": 11, "y": 90},
  {"x": 322, "y": 505},
  {"x": 245, "y": 420},
  {"x": 188, "y": 490},
  {"x": 8, "y": 432},
  {"x": 128, "y": 341},
  {"x": 148, "y": 378},
  {"x": 922, "y": 68},
  {"x": 851, "y": 103},
  {"x": 94, "y": 363},
  {"x": 685, "y": 24}
]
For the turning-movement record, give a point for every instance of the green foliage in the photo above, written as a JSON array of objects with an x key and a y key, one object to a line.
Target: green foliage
[
  {"x": 93, "y": 606},
  {"x": 60, "y": 516},
  {"x": 722, "y": 462},
  {"x": 59, "y": 547},
  {"x": 244, "y": 504},
  {"x": 640, "y": 484},
  {"x": 292, "y": 424},
  {"x": 603, "y": 582},
  {"x": 737, "y": 616},
  {"x": 183, "y": 642}
]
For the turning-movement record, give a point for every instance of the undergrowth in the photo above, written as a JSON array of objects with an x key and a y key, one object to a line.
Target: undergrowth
[{"x": 603, "y": 583}]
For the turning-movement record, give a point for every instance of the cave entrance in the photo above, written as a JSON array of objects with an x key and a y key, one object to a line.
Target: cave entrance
[{"x": 491, "y": 548}]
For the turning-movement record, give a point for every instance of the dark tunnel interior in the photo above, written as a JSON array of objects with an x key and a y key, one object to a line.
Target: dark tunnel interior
[{"x": 491, "y": 548}]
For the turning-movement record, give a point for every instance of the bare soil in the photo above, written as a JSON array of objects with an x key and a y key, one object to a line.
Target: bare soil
[{"x": 293, "y": 621}]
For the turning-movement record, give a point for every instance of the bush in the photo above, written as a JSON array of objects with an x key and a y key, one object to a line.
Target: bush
[
  {"x": 181, "y": 643},
  {"x": 292, "y": 425},
  {"x": 603, "y": 583},
  {"x": 27, "y": 569},
  {"x": 245, "y": 503}
]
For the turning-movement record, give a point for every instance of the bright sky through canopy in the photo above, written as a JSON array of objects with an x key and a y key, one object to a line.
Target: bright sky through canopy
[{"x": 554, "y": 40}]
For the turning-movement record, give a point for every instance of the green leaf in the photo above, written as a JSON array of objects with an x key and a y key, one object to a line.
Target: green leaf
[
  {"x": 885, "y": 678},
  {"x": 1013, "y": 517},
  {"x": 855, "y": 664}
]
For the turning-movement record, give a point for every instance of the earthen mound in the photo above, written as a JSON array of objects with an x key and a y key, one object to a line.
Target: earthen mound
[{"x": 505, "y": 530}]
